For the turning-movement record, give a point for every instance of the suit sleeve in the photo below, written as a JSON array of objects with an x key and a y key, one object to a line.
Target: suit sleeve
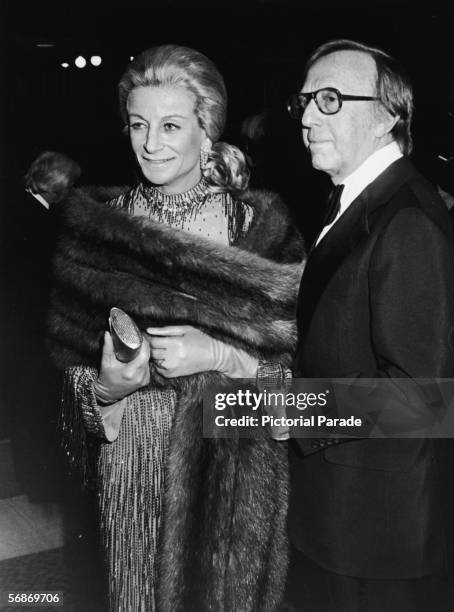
[
  {"x": 411, "y": 278},
  {"x": 411, "y": 287}
]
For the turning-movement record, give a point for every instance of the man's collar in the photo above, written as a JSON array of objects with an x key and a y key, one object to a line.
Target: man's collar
[
  {"x": 39, "y": 197},
  {"x": 363, "y": 176},
  {"x": 367, "y": 172}
]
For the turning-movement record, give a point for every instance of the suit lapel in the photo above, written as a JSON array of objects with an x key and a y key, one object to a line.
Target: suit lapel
[{"x": 334, "y": 248}]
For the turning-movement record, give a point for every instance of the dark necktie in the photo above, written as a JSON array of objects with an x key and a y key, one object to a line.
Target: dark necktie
[{"x": 333, "y": 206}]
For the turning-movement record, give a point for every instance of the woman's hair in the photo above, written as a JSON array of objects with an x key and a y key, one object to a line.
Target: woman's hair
[
  {"x": 393, "y": 87},
  {"x": 172, "y": 65},
  {"x": 52, "y": 175}
]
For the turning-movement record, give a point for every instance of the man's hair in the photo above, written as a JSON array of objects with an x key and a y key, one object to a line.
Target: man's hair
[
  {"x": 52, "y": 175},
  {"x": 393, "y": 87}
]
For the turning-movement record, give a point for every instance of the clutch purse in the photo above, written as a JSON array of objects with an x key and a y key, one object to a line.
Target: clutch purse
[{"x": 126, "y": 336}]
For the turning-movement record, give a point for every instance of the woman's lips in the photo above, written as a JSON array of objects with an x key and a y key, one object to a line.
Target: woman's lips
[{"x": 157, "y": 162}]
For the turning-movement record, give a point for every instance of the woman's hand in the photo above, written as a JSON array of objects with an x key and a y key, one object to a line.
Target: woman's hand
[
  {"x": 181, "y": 350},
  {"x": 117, "y": 379}
]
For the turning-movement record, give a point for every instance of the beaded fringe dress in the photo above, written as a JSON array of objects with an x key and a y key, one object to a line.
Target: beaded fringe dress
[{"x": 131, "y": 469}]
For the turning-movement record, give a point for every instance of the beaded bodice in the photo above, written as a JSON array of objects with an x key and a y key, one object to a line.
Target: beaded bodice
[{"x": 217, "y": 216}]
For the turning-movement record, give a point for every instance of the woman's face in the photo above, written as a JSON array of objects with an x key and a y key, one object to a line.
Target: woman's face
[{"x": 166, "y": 136}]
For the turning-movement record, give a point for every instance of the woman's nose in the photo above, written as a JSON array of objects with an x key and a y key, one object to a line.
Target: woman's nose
[{"x": 153, "y": 141}]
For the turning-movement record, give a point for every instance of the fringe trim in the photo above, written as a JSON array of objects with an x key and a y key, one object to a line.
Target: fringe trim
[{"x": 80, "y": 448}]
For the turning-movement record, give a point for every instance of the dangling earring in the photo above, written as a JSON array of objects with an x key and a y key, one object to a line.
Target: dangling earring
[{"x": 204, "y": 152}]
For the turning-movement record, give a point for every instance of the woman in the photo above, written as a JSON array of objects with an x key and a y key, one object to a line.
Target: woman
[{"x": 178, "y": 253}]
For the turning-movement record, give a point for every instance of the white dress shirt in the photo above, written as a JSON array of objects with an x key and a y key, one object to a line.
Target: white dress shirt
[
  {"x": 39, "y": 197},
  {"x": 363, "y": 176}
]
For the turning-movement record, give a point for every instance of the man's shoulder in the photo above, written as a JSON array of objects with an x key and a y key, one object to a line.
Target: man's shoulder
[
  {"x": 31, "y": 210},
  {"x": 403, "y": 190}
]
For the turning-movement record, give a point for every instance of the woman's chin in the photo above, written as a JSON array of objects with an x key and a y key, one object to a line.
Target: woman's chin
[{"x": 158, "y": 177}]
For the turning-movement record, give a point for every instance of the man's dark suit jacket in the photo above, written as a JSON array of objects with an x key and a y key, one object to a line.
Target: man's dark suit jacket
[
  {"x": 30, "y": 382},
  {"x": 376, "y": 300},
  {"x": 30, "y": 242}
]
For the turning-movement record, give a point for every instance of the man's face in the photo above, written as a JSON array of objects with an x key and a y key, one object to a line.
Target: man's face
[{"x": 339, "y": 143}]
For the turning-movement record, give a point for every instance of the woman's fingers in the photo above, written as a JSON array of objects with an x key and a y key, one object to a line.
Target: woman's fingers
[
  {"x": 159, "y": 342},
  {"x": 107, "y": 348},
  {"x": 118, "y": 379},
  {"x": 158, "y": 353},
  {"x": 169, "y": 330}
]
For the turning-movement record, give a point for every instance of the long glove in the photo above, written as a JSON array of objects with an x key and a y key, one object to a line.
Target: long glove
[
  {"x": 116, "y": 380},
  {"x": 181, "y": 350}
]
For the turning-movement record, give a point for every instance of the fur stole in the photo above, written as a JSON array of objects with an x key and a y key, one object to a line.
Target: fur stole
[
  {"x": 223, "y": 535},
  {"x": 161, "y": 275}
]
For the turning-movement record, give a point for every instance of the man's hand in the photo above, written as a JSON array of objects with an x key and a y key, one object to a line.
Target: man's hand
[{"x": 117, "y": 379}]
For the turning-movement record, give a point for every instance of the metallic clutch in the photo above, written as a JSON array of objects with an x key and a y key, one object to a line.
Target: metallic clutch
[{"x": 126, "y": 336}]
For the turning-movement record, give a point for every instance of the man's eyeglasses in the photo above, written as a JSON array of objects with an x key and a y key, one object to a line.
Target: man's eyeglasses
[{"x": 328, "y": 100}]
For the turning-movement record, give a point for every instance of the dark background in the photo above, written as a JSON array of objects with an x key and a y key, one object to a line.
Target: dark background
[{"x": 259, "y": 46}]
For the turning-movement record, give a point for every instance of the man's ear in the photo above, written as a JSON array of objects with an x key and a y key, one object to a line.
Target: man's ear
[{"x": 385, "y": 123}]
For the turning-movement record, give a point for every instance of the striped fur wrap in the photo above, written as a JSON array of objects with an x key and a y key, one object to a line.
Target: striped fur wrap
[{"x": 223, "y": 544}]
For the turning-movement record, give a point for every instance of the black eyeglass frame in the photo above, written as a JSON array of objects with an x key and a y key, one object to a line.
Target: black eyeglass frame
[{"x": 312, "y": 95}]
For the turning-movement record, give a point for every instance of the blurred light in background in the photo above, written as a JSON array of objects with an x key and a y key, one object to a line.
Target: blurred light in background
[{"x": 80, "y": 61}]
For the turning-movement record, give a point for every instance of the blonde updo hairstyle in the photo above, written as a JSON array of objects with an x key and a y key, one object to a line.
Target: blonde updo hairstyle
[{"x": 173, "y": 65}]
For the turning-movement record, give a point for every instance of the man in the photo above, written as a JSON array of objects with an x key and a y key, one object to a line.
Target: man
[
  {"x": 376, "y": 301},
  {"x": 48, "y": 180},
  {"x": 31, "y": 380},
  {"x": 50, "y": 177}
]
